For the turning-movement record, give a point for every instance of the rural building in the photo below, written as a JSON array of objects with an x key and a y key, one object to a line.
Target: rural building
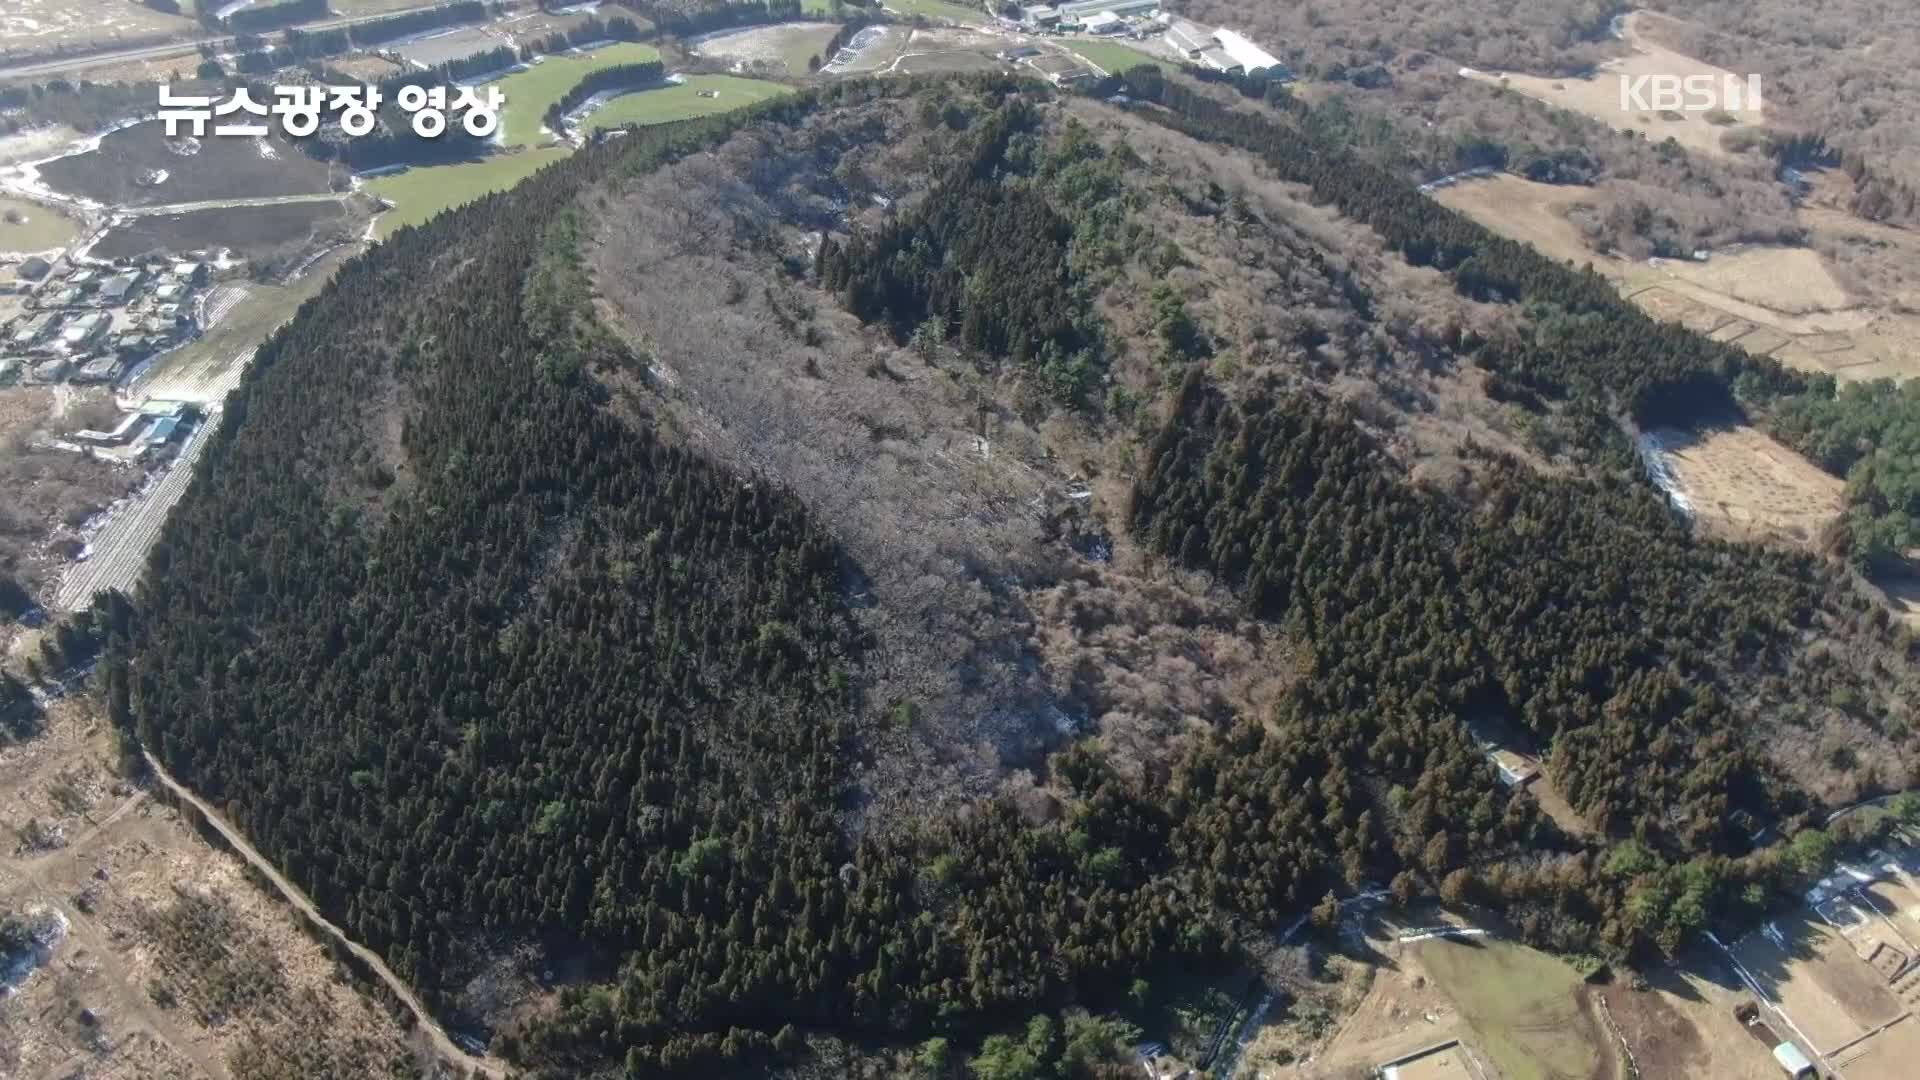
[
  {"x": 192, "y": 273},
  {"x": 1515, "y": 771},
  {"x": 1040, "y": 15},
  {"x": 1024, "y": 52},
  {"x": 118, "y": 435},
  {"x": 1246, "y": 55},
  {"x": 34, "y": 269},
  {"x": 169, "y": 293},
  {"x": 1060, "y": 70},
  {"x": 1188, "y": 38},
  {"x": 86, "y": 329},
  {"x": 1218, "y": 59},
  {"x": 1084, "y": 9},
  {"x": 119, "y": 288},
  {"x": 100, "y": 369},
  {"x": 71, "y": 296},
  {"x": 34, "y": 330},
  {"x": 1104, "y": 23},
  {"x": 163, "y": 430},
  {"x": 1792, "y": 1060},
  {"x": 51, "y": 371}
]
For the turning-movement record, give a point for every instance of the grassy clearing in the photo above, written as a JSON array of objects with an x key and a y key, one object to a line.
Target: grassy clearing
[
  {"x": 1115, "y": 58},
  {"x": 938, "y": 9},
  {"x": 531, "y": 92},
  {"x": 418, "y": 194},
  {"x": 1520, "y": 1003},
  {"x": 42, "y": 229},
  {"x": 803, "y": 45},
  {"x": 683, "y": 101}
]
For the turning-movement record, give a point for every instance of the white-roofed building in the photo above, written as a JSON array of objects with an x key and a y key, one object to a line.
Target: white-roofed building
[
  {"x": 1104, "y": 23},
  {"x": 1246, "y": 55}
]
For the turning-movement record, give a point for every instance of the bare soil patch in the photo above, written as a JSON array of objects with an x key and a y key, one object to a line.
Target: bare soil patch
[
  {"x": 173, "y": 964},
  {"x": 1745, "y": 485},
  {"x": 1600, "y": 96},
  {"x": 1830, "y": 994},
  {"x": 250, "y": 232},
  {"x": 221, "y": 167},
  {"x": 1523, "y": 210},
  {"x": 50, "y": 492}
]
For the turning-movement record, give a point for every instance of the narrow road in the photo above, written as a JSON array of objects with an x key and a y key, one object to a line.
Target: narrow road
[
  {"x": 442, "y": 1044},
  {"x": 229, "y": 204}
]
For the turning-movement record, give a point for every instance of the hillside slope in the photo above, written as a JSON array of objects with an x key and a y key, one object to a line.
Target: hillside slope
[{"x": 918, "y": 555}]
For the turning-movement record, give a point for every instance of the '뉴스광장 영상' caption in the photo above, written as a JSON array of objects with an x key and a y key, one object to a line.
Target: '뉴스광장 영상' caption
[{"x": 300, "y": 110}]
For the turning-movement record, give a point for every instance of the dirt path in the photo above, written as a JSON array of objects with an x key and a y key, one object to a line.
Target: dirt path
[{"x": 442, "y": 1044}]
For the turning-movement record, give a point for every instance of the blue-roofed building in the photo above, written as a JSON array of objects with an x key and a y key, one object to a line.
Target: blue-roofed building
[{"x": 162, "y": 430}]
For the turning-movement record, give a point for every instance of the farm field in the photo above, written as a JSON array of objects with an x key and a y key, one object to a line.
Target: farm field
[
  {"x": 41, "y": 228},
  {"x": 196, "y": 171},
  {"x": 1809, "y": 971},
  {"x": 241, "y": 317},
  {"x": 937, "y": 9},
  {"x": 1787, "y": 281},
  {"x": 447, "y": 46},
  {"x": 45, "y": 27},
  {"x": 1745, "y": 485},
  {"x": 1114, "y": 58},
  {"x": 788, "y": 45},
  {"x": 682, "y": 101},
  {"x": 530, "y": 92},
  {"x": 1600, "y": 96},
  {"x": 170, "y": 962},
  {"x": 250, "y": 232},
  {"x": 1523, "y": 210},
  {"x": 419, "y": 193},
  {"x": 1521, "y": 1005}
]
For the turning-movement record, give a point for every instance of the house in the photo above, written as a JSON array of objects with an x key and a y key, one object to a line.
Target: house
[
  {"x": 1104, "y": 23},
  {"x": 1040, "y": 15},
  {"x": 169, "y": 293},
  {"x": 34, "y": 330},
  {"x": 1246, "y": 55},
  {"x": 121, "y": 432},
  {"x": 118, "y": 288},
  {"x": 1085, "y": 9},
  {"x": 192, "y": 273},
  {"x": 34, "y": 269},
  {"x": 86, "y": 329},
  {"x": 1793, "y": 1061},
  {"x": 1188, "y": 38},
  {"x": 51, "y": 371},
  {"x": 71, "y": 296},
  {"x": 1024, "y": 52},
  {"x": 101, "y": 369}
]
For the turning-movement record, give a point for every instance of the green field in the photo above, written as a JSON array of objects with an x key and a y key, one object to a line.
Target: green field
[
  {"x": 938, "y": 9},
  {"x": 1519, "y": 1003},
  {"x": 682, "y": 101},
  {"x": 1114, "y": 58},
  {"x": 531, "y": 92},
  {"x": 44, "y": 228},
  {"x": 420, "y": 193}
]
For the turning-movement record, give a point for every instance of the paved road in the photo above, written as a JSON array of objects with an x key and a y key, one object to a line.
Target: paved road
[
  {"x": 219, "y": 42},
  {"x": 443, "y": 1045}
]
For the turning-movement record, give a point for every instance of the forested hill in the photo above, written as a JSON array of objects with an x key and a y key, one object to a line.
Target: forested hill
[{"x": 476, "y": 623}]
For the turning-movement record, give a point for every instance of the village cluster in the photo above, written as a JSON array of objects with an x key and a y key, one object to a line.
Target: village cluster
[
  {"x": 1220, "y": 49},
  {"x": 88, "y": 322}
]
